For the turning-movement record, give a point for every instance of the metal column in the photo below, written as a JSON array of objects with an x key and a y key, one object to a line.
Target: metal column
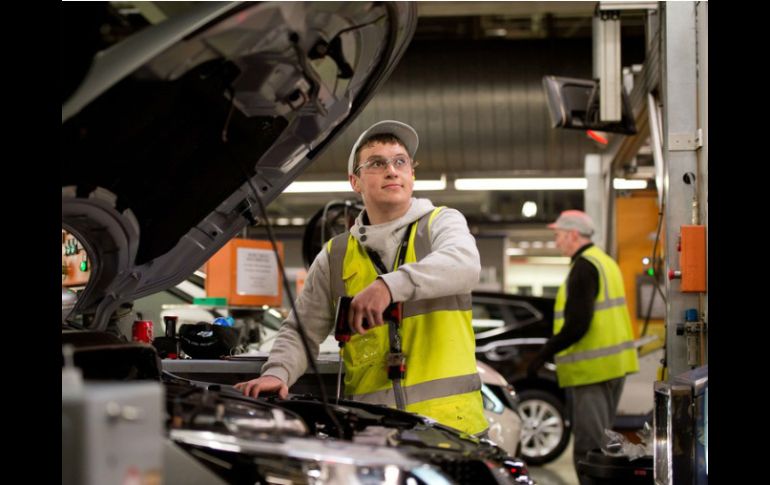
[
  {"x": 701, "y": 25},
  {"x": 599, "y": 201},
  {"x": 685, "y": 202}
]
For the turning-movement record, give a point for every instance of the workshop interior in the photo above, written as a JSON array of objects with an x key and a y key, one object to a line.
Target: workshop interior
[{"x": 204, "y": 149}]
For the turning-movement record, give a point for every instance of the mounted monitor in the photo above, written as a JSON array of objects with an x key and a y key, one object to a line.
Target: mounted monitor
[{"x": 574, "y": 104}]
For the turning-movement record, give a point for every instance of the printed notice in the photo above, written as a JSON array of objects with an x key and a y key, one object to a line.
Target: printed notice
[{"x": 257, "y": 272}]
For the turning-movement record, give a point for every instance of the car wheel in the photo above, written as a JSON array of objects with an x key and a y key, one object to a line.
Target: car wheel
[{"x": 544, "y": 433}]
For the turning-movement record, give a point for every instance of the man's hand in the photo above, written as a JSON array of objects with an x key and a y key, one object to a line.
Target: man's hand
[
  {"x": 369, "y": 304},
  {"x": 273, "y": 384},
  {"x": 535, "y": 366}
]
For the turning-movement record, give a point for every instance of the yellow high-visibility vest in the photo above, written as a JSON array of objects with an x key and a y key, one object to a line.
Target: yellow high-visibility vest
[
  {"x": 441, "y": 380},
  {"x": 607, "y": 350}
]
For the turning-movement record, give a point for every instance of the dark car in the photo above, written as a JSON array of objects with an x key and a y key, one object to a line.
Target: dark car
[
  {"x": 510, "y": 330},
  {"x": 181, "y": 121}
]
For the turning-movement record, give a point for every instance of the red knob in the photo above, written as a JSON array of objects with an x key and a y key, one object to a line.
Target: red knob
[{"x": 673, "y": 274}]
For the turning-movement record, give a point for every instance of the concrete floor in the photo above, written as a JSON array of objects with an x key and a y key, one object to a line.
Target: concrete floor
[{"x": 559, "y": 472}]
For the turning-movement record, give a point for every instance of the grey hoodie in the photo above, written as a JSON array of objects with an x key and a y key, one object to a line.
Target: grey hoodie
[{"x": 451, "y": 268}]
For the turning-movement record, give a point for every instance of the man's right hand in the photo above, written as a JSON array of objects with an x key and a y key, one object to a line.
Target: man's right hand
[
  {"x": 368, "y": 305},
  {"x": 268, "y": 384}
]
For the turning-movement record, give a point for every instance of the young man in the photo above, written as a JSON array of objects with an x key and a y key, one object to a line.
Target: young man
[
  {"x": 593, "y": 339},
  {"x": 400, "y": 249}
]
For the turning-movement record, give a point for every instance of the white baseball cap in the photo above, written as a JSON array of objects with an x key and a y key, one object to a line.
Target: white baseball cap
[
  {"x": 574, "y": 219},
  {"x": 400, "y": 130}
]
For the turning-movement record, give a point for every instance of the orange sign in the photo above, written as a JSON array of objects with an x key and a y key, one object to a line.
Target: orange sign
[{"x": 245, "y": 272}]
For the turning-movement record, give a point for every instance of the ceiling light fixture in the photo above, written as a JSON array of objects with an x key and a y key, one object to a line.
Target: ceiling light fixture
[
  {"x": 344, "y": 186},
  {"x": 425, "y": 185},
  {"x": 318, "y": 187},
  {"x": 565, "y": 183},
  {"x": 626, "y": 184},
  {"x": 575, "y": 183}
]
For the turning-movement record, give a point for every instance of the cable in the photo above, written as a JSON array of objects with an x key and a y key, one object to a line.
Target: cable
[
  {"x": 359, "y": 26},
  {"x": 657, "y": 265},
  {"x": 300, "y": 328},
  {"x": 648, "y": 313},
  {"x": 347, "y": 206},
  {"x": 656, "y": 271},
  {"x": 323, "y": 219}
]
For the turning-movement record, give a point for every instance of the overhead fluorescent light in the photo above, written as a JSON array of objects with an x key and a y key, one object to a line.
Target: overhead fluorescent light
[
  {"x": 576, "y": 183},
  {"x": 560, "y": 260},
  {"x": 344, "y": 186},
  {"x": 570, "y": 183},
  {"x": 515, "y": 252},
  {"x": 439, "y": 184},
  {"x": 626, "y": 184},
  {"x": 319, "y": 187}
]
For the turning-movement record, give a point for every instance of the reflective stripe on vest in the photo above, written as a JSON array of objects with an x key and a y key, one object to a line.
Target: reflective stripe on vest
[
  {"x": 424, "y": 391},
  {"x": 451, "y": 303},
  {"x": 607, "y": 350},
  {"x": 446, "y": 387},
  {"x": 603, "y": 305},
  {"x": 592, "y": 354}
]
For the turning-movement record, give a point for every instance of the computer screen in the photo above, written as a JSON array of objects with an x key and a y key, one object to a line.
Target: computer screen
[{"x": 574, "y": 104}]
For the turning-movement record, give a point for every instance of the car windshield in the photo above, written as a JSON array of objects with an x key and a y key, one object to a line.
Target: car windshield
[{"x": 491, "y": 314}]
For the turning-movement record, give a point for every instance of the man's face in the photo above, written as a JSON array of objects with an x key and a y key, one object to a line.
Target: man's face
[
  {"x": 563, "y": 241},
  {"x": 388, "y": 188}
]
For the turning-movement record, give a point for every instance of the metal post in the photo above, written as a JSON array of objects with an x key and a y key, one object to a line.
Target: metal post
[
  {"x": 595, "y": 198},
  {"x": 682, "y": 143},
  {"x": 606, "y": 40},
  {"x": 701, "y": 24}
]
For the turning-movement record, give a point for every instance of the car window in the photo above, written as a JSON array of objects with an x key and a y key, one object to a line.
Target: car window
[
  {"x": 486, "y": 317},
  {"x": 494, "y": 316},
  {"x": 491, "y": 402},
  {"x": 484, "y": 324},
  {"x": 522, "y": 313},
  {"x": 488, "y": 311}
]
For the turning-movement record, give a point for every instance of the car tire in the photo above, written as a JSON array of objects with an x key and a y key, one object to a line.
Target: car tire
[{"x": 545, "y": 432}]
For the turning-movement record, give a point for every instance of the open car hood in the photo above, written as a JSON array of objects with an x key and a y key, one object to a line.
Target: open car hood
[{"x": 169, "y": 129}]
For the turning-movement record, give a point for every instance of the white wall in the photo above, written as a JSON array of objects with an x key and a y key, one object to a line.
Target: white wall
[
  {"x": 492, "y": 253},
  {"x": 522, "y": 273}
]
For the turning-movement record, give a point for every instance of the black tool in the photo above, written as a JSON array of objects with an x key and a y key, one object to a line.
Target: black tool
[{"x": 342, "y": 330}]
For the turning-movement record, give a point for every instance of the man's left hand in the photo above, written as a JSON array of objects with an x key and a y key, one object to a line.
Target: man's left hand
[{"x": 369, "y": 304}]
